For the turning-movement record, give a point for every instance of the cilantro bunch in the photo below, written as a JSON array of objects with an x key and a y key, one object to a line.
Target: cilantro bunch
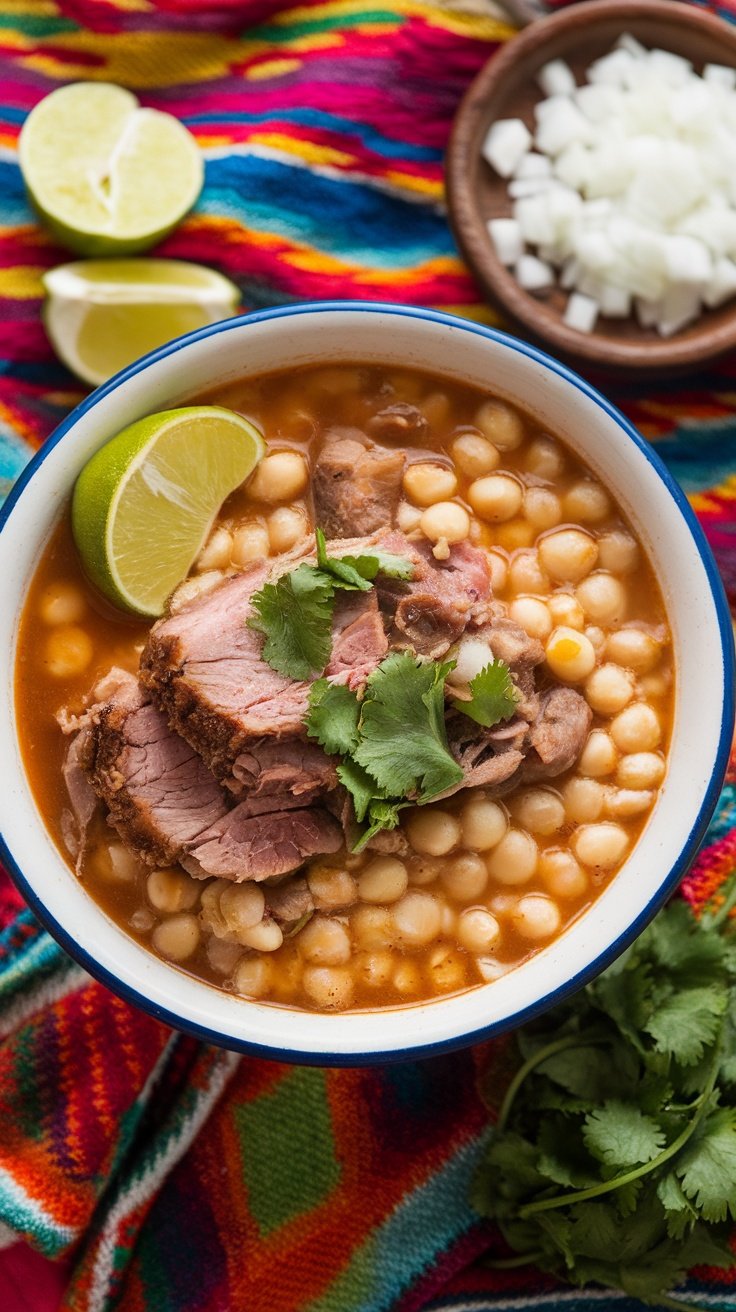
[
  {"x": 613, "y": 1158},
  {"x": 393, "y": 739},
  {"x": 294, "y": 614}
]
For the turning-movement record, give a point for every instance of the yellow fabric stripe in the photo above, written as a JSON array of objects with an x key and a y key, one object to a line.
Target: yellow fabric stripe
[
  {"x": 311, "y": 151},
  {"x": 21, "y": 282}
]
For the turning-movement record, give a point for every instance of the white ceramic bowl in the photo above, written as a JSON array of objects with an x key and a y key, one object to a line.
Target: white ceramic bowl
[{"x": 384, "y": 334}]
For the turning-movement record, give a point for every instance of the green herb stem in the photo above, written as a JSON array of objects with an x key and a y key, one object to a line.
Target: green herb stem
[
  {"x": 511, "y": 1263},
  {"x": 530, "y": 1065},
  {"x": 608, "y": 1186}
]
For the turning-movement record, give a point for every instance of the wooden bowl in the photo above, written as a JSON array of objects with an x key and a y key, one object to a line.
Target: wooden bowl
[{"x": 506, "y": 88}]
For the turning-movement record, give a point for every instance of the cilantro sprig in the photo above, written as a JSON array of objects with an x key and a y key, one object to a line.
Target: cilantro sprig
[
  {"x": 294, "y": 614},
  {"x": 493, "y": 696},
  {"x": 392, "y": 741},
  {"x": 613, "y": 1157}
]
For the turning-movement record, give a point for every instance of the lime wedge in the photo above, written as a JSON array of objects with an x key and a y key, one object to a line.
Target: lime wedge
[
  {"x": 102, "y": 314},
  {"x": 109, "y": 177},
  {"x": 144, "y": 504}
]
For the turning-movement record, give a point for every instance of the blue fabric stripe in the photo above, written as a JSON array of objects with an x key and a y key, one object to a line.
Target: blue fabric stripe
[{"x": 318, "y": 118}]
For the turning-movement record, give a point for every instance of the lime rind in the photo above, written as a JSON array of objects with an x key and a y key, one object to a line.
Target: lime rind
[{"x": 143, "y": 506}]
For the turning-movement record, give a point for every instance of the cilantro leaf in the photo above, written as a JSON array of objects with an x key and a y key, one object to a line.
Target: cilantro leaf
[
  {"x": 334, "y": 711},
  {"x": 403, "y": 743},
  {"x": 359, "y": 784},
  {"x": 358, "y": 572},
  {"x": 619, "y": 1134},
  {"x": 295, "y": 617},
  {"x": 707, "y": 1166},
  {"x": 494, "y": 696},
  {"x": 687, "y": 1022}
]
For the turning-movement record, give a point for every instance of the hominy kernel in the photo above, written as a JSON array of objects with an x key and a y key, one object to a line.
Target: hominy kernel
[
  {"x": 539, "y": 810},
  {"x": 565, "y": 609},
  {"x": 514, "y": 859},
  {"x": 417, "y": 918},
  {"x": 264, "y": 937},
  {"x": 374, "y": 969},
  {"x": 424, "y": 870},
  {"x": 242, "y": 906},
  {"x": 281, "y": 476},
  {"x": 608, "y": 689},
  {"x": 499, "y": 569},
  {"x": 222, "y": 955},
  {"x": 655, "y": 685},
  {"x": 177, "y": 938},
  {"x": 426, "y": 483},
  {"x": 62, "y": 603},
  {"x": 599, "y": 756},
  {"x": 500, "y": 424},
  {"x": 542, "y": 507},
  {"x": 477, "y": 930},
  {"x": 384, "y": 879},
  {"x": 325, "y": 942},
  {"x": 331, "y": 888},
  {"x": 514, "y": 534},
  {"x": 600, "y": 846},
  {"x": 496, "y": 497},
  {"x": 287, "y": 525},
  {"x": 561, "y": 874},
  {"x": 568, "y": 554},
  {"x": 474, "y": 455},
  {"x": 446, "y": 520},
  {"x": 465, "y": 877},
  {"x": 216, "y": 551},
  {"x": 192, "y": 588},
  {"x": 124, "y": 866},
  {"x": 586, "y": 502},
  {"x": 583, "y": 800},
  {"x": 536, "y": 916},
  {"x": 636, "y": 729},
  {"x": 482, "y": 823},
  {"x": 532, "y": 615},
  {"x": 624, "y": 802},
  {"x": 172, "y": 890},
  {"x": 596, "y": 636},
  {"x": 602, "y": 597},
  {"x": 432, "y": 832},
  {"x": 446, "y": 969},
  {"x": 526, "y": 573},
  {"x": 545, "y": 459},
  {"x": 489, "y": 969},
  {"x": 618, "y": 552},
  {"x": 373, "y": 927},
  {"x": 250, "y": 542},
  {"x": 640, "y": 770},
  {"x": 329, "y": 987},
  {"x": 634, "y": 649},
  {"x": 408, "y": 517},
  {"x": 68, "y": 652},
  {"x": 436, "y": 409},
  {"x": 407, "y": 978},
  {"x": 569, "y": 655},
  {"x": 503, "y": 904},
  {"x": 252, "y": 977}
]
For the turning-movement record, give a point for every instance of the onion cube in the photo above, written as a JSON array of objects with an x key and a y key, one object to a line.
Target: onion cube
[
  {"x": 595, "y": 251},
  {"x": 647, "y": 312},
  {"x": 556, "y": 78},
  {"x": 687, "y": 260},
  {"x": 505, "y": 144},
  {"x": 600, "y": 103},
  {"x": 719, "y": 75},
  {"x": 630, "y": 44},
  {"x": 680, "y": 306},
  {"x": 571, "y": 272},
  {"x": 673, "y": 69},
  {"x": 533, "y": 274},
  {"x": 534, "y": 219},
  {"x": 615, "y": 302},
  {"x": 722, "y": 285},
  {"x": 560, "y": 125},
  {"x": 533, "y": 166},
  {"x": 519, "y": 187},
  {"x": 614, "y": 69},
  {"x": 507, "y": 240},
  {"x": 573, "y": 166},
  {"x": 581, "y": 313}
]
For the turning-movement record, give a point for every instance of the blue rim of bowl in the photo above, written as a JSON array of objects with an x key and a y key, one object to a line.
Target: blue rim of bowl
[{"x": 697, "y": 832}]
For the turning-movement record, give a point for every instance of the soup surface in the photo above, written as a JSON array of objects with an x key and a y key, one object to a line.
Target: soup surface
[{"x": 469, "y": 885}]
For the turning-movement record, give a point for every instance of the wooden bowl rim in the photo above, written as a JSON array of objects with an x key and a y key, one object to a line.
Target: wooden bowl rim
[{"x": 654, "y": 356}]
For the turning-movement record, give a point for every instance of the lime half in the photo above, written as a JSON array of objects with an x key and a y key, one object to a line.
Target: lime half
[
  {"x": 144, "y": 504},
  {"x": 102, "y": 314},
  {"x": 108, "y": 176}
]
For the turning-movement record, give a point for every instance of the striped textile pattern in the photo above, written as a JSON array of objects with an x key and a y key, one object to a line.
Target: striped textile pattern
[{"x": 168, "y": 1176}]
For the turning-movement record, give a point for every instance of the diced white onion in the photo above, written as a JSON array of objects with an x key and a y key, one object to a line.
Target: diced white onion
[
  {"x": 505, "y": 144},
  {"x": 533, "y": 166},
  {"x": 533, "y": 274},
  {"x": 581, "y": 313},
  {"x": 507, "y": 240},
  {"x": 720, "y": 76},
  {"x": 556, "y": 78}
]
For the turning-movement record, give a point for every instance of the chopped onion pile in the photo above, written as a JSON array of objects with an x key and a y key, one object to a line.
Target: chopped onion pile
[{"x": 627, "y": 190}]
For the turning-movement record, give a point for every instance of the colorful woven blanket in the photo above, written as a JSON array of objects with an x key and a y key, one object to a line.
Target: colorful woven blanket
[{"x": 159, "y": 1173}]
